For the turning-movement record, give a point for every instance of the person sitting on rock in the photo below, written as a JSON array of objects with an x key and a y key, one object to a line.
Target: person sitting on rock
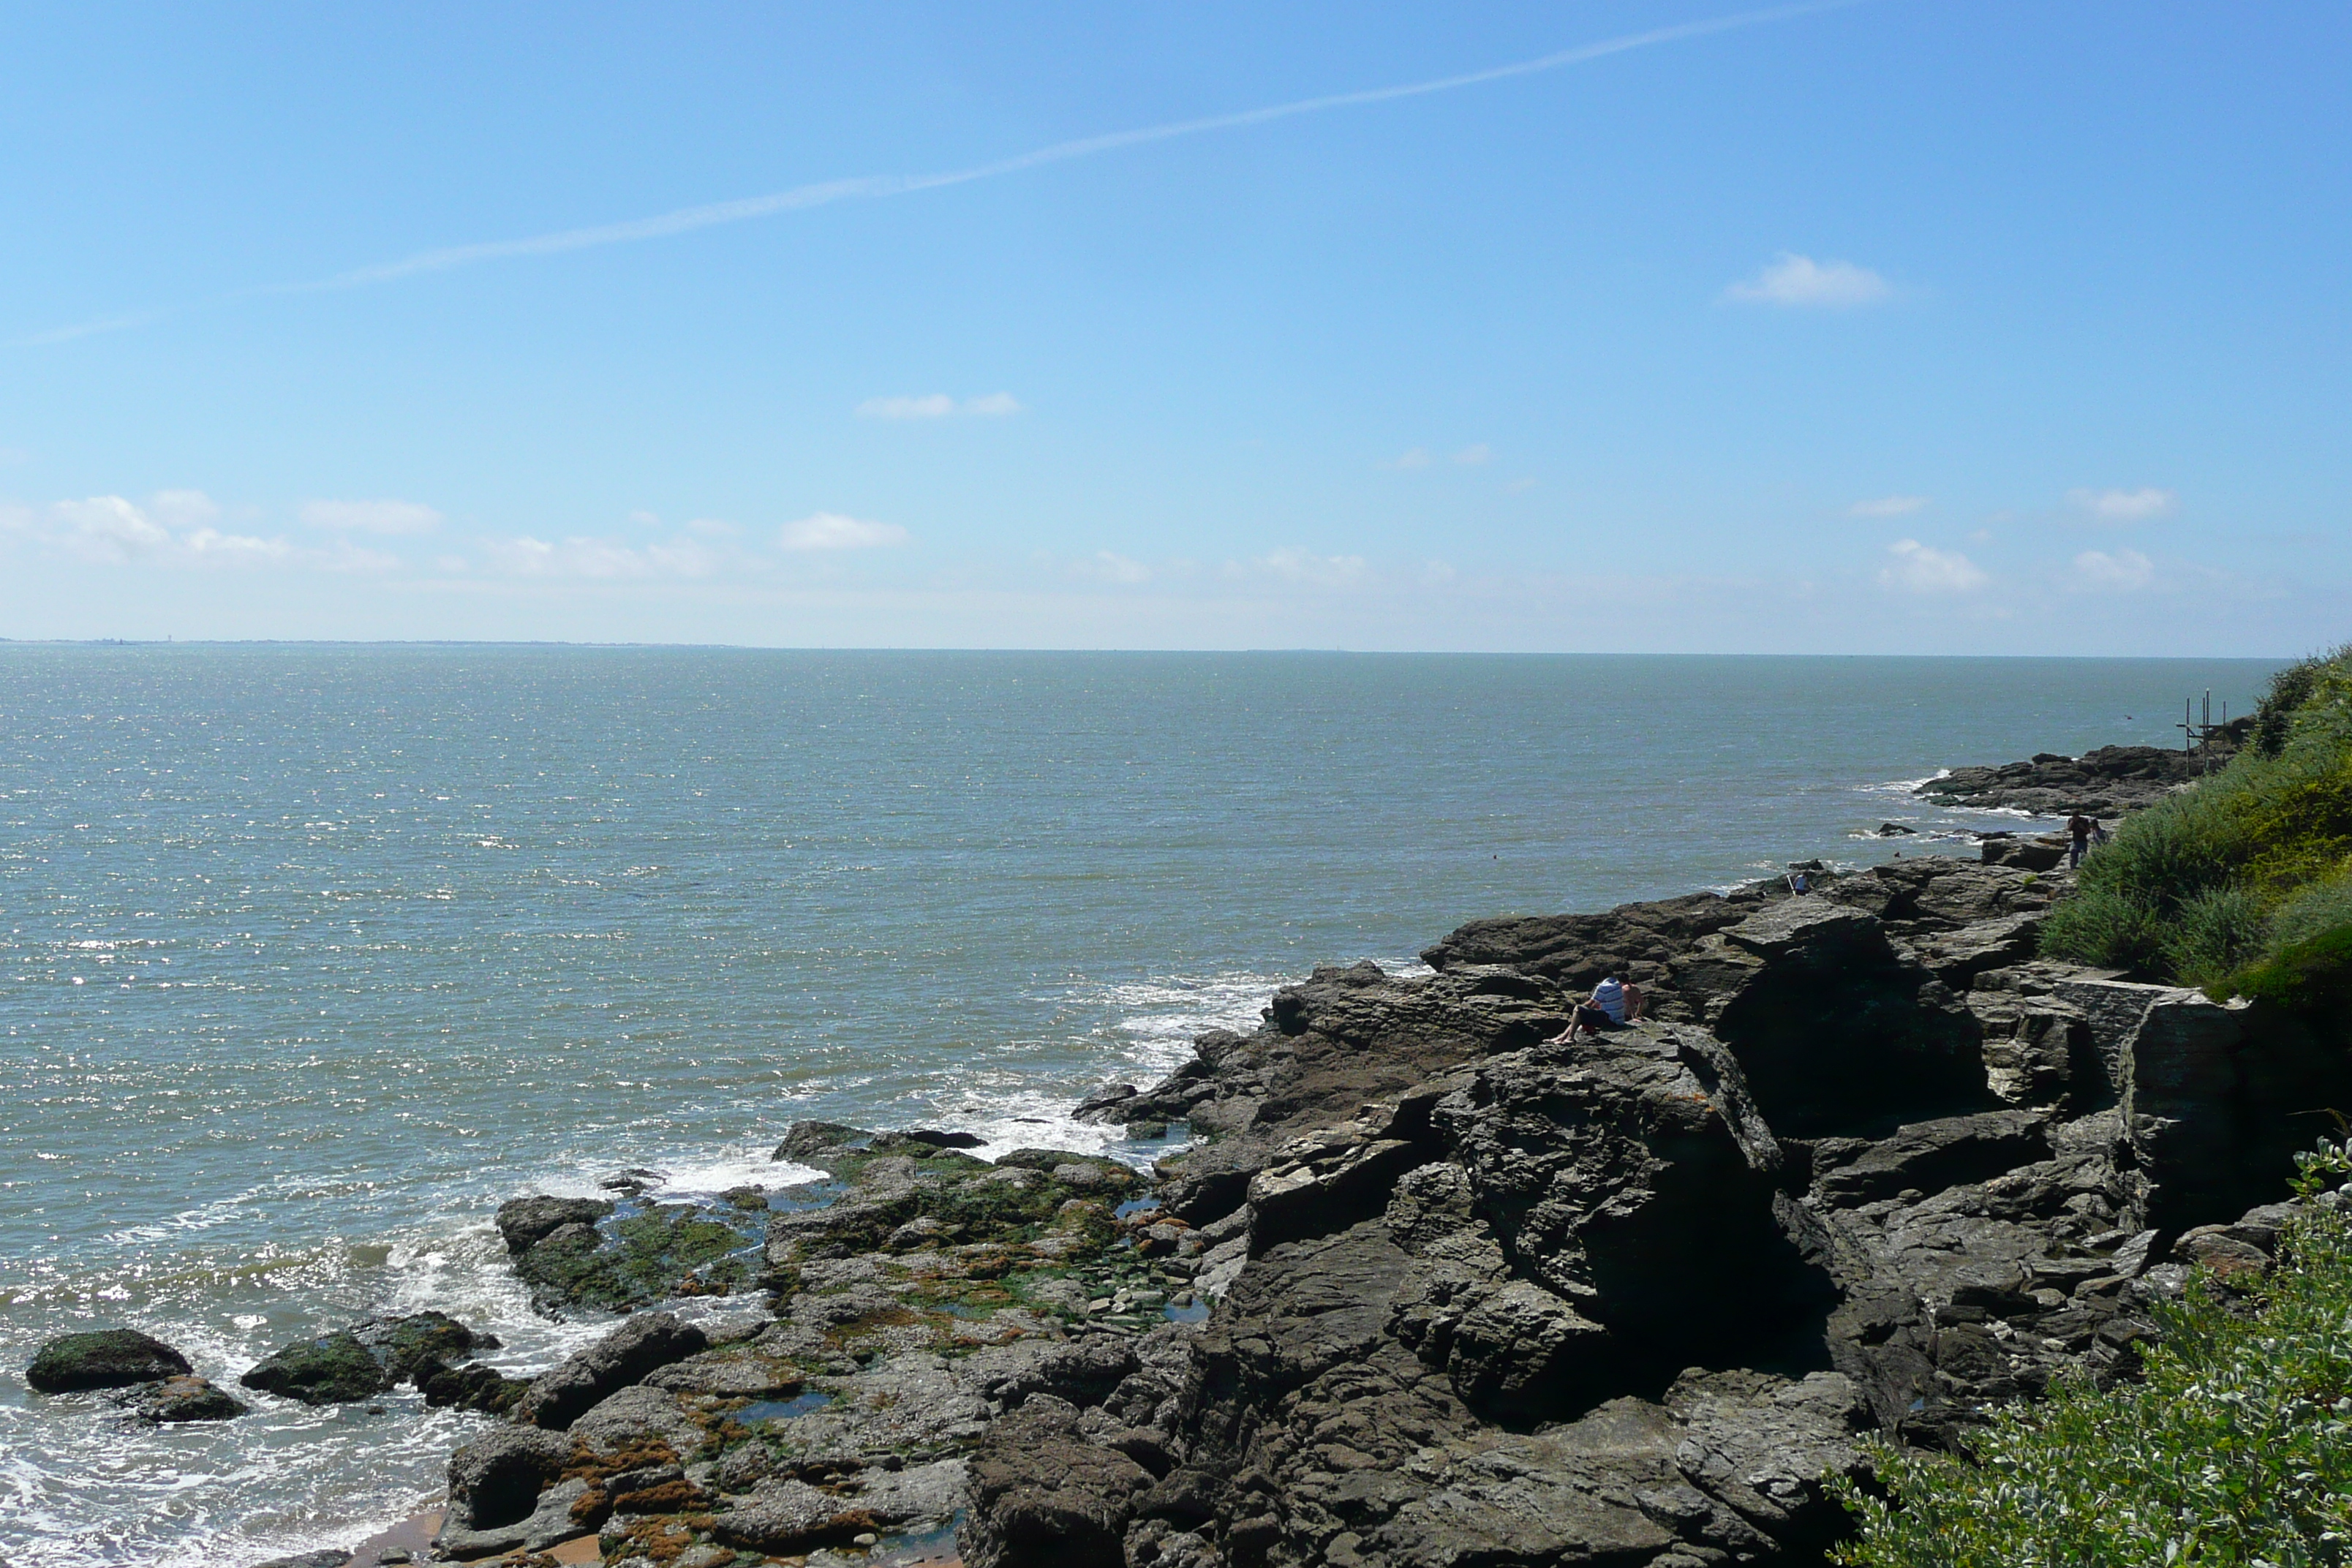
[{"x": 1614, "y": 1003}]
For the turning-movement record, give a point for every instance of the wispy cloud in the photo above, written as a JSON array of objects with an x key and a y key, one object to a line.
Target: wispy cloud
[
  {"x": 1888, "y": 506},
  {"x": 1917, "y": 569},
  {"x": 1801, "y": 281},
  {"x": 1416, "y": 458},
  {"x": 607, "y": 560},
  {"x": 2115, "y": 572},
  {"x": 1304, "y": 568},
  {"x": 87, "y": 329},
  {"x": 939, "y": 405},
  {"x": 174, "y": 529},
  {"x": 1109, "y": 566},
  {"x": 875, "y": 187},
  {"x": 2123, "y": 506},
  {"x": 832, "y": 530},
  {"x": 1473, "y": 456},
  {"x": 371, "y": 516}
]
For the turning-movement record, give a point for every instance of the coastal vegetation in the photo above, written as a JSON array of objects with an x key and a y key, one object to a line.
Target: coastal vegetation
[
  {"x": 2243, "y": 885},
  {"x": 2235, "y": 1448}
]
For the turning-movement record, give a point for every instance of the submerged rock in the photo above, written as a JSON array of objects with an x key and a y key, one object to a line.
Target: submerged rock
[
  {"x": 102, "y": 1358},
  {"x": 573, "y": 1258}
]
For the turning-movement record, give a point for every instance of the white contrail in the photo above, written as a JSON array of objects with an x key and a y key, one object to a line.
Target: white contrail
[{"x": 878, "y": 185}]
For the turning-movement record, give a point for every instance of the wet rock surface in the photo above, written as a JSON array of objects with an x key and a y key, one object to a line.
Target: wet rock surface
[
  {"x": 177, "y": 1399},
  {"x": 372, "y": 1355},
  {"x": 102, "y": 1358},
  {"x": 1473, "y": 1295}
]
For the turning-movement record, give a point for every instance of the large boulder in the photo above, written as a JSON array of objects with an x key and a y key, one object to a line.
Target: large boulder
[
  {"x": 496, "y": 1479},
  {"x": 2219, "y": 1099},
  {"x": 524, "y": 1222},
  {"x": 178, "y": 1399},
  {"x": 333, "y": 1369},
  {"x": 639, "y": 1347},
  {"x": 102, "y": 1358},
  {"x": 1838, "y": 1032},
  {"x": 1043, "y": 1496}
]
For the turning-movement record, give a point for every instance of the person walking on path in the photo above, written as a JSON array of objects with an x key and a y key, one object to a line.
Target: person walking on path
[{"x": 2079, "y": 829}]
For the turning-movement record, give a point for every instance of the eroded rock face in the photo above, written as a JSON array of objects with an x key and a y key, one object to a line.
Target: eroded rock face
[
  {"x": 622, "y": 1358},
  {"x": 1474, "y": 1297},
  {"x": 1483, "y": 1298}
]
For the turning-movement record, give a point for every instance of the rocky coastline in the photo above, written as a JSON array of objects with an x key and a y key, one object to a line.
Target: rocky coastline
[
  {"x": 2104, "y": 782},
  {"x": 1425, "y": 1286}
]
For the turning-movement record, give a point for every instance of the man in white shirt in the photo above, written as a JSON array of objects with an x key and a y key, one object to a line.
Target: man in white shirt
[{"x": 1613, "y": 1004}]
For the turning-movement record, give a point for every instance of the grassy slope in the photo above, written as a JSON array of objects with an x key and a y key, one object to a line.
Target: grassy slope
[{"x": 2218, "y": 882}]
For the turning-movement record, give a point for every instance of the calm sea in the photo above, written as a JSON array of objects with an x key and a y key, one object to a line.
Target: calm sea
[{"x": 310, "y": 955}]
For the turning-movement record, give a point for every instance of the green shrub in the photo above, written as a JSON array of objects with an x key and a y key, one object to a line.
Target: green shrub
[
  {"x": 2312, "y": 978},
  {"x": 2236, "y": 1449},
  {"x": 2321, "y": 907},
  {"x": 2214, "y": 933},
  {"x": 2186, "y": 889},
  {"x": 2107, "y": 928}
]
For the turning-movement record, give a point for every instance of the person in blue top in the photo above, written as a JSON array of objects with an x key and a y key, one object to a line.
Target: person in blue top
[{"x": 1613, "y": 1004}]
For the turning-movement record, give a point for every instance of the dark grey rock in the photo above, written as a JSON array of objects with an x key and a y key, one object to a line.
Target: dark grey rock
[
  {"x": 524, "y": 1222},
  {"x": 178, "y": 1399},
  {"x": 1045, "y": 1497},
  {"x": 102, "y": 1358},
  {"x": 495, "y": 1481},
  {"x": 334, "y": 1369},
  {"x": 2105, "y": 783},
  {"x": 649, "y": 1341}
]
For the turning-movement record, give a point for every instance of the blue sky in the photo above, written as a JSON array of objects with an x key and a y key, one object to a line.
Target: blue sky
[{"x": 1897, "y": 326}]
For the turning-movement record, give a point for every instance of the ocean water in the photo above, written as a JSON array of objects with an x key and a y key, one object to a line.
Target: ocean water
[{"x": 310, "y": 956}]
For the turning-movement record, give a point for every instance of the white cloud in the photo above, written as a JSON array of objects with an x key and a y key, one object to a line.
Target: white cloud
[
  {"x": 1800, "y": 280},
  {"x": 1109, "y": 566},
  {"x": 1474, "y": 454},
  {"x": 2115, "y": 572},
  {"x": 603, "y": 559},
  {"x": 1519, "y": 487},
  {"x": 2123, "y": 506},
  {"x": 939, "y": 405},
  {"x": 371, "y": 516},
  {"x": 1888, "y": 506},
  {"x": 1917, "y": 569},
  {"x": 174, "y": 529},
  {"x": 1304, "y": 567},
  {"x": 1416, "y": 458},
  {"x": 107, "y": 529},
  {"x": 832, "y": 530},
  {"x": 213, "y": 542}
]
